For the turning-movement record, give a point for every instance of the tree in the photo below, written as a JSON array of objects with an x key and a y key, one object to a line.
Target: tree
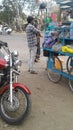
[
  {"x": 14, "y": 9},
  {"x": 32, "y": 6},
  {"x": 20, "y": 5},
  {"x": 14, "y": 5}
]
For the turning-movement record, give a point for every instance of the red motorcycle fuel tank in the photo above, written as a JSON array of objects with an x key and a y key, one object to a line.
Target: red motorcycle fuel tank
[{"x": 2, "y": 63}]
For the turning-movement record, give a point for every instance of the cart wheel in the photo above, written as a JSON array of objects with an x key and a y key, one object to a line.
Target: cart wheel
[
  {"x": 54, "y": 67},
  {"x": 70, "y": 79},
  {"x": 68, "y": 64}
]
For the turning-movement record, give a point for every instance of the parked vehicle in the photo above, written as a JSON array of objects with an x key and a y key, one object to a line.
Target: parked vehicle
[
  {"x": 1, "y": 28},
  {"x": 15, "y": 101},
  {"x": 5, "y": 29}
]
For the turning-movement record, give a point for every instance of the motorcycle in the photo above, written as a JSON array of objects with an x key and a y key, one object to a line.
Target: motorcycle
[
  {"x": 0, "y": 29},
  {"x": 15, "y": 102},
  {"x": 7, "y": 30}
]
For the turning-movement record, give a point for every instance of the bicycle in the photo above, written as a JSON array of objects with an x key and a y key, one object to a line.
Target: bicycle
[{"x": 54, "y": 67}]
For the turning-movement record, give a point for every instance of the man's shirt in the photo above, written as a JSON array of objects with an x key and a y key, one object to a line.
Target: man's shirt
[{"x": 31, "y": 32}]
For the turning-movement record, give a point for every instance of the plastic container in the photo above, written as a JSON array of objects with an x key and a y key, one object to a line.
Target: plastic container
[{"x": 57, "y": 64}]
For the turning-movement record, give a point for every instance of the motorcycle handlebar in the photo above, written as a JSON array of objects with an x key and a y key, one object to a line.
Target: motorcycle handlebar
[{"x": 3, "y": 44}]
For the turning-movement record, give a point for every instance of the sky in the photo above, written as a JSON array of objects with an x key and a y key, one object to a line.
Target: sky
[{"x": 0, "y": 1}]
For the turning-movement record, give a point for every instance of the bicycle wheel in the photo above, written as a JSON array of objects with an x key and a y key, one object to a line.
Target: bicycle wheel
[
  {"x": 70, "y": 79},
  {"x": 54, "y": 72},
  {"x": 68, "y": 64}
]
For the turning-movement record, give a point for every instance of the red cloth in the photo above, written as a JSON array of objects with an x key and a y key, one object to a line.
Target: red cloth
[{"x": 54, "y": 17}]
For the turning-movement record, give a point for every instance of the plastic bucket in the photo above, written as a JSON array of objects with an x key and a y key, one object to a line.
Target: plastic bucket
[{"x": 57, "y": 64}]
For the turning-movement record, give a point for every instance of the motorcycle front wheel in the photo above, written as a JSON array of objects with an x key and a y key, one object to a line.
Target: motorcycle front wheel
[{"x": 20, "y": 108}]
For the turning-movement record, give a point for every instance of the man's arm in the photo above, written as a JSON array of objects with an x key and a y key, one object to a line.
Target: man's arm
[{"x": 35, "y": 30}]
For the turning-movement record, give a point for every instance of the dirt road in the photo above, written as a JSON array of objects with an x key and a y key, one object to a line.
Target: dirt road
[{"x": 52, "y": 104}]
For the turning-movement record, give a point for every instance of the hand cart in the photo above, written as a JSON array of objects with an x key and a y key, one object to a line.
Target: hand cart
[{"x": 55, "y": 68}]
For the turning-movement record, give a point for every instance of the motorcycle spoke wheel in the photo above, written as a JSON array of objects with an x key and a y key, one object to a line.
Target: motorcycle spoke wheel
[
  {"x": 52, "y": 75},
  {"x": 20, "y": 108}
]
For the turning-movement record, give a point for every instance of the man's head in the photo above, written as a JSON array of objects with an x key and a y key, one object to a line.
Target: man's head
[{"x": 30, "y": 19}]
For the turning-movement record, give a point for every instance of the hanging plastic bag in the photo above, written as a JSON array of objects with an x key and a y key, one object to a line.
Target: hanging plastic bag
[
  {"x": 57, "y": 47},
  {"x": 67, "y": 49}
]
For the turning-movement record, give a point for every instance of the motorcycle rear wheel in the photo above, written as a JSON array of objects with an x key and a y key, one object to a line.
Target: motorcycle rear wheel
[{"x": 19, "y": 110}]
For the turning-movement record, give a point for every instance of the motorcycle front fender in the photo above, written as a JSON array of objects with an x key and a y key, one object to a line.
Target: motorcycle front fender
[{"x": 15, "y": 85}]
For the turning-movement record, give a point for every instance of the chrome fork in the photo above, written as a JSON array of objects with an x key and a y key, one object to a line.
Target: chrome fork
[{"x": 11, "y": 87}]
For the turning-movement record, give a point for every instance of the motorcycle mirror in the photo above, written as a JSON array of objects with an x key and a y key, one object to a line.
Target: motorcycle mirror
[{"x": 5, "y": 44}]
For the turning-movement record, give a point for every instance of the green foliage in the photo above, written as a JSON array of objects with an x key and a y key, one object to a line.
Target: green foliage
[{"x": 11, "y": 9}]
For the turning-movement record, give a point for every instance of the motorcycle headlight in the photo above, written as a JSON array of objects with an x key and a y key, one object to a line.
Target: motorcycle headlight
[
  {"x": 6, "y": 57},
  {"x": 15, "y": 53}
]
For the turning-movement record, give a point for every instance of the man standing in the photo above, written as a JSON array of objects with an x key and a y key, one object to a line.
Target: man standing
[{"x": 31, "y": 33}]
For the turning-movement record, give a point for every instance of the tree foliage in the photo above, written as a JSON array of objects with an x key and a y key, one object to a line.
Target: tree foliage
[{"x": 12, "y": 8}]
